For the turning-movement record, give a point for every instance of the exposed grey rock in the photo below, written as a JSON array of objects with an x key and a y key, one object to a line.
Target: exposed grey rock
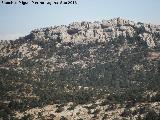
[
  {"x": 87, "y": 31},
  {"x": 106, "y": 24},
  {"x": 123, "y": 28},
  {"x": 120, "y": 21},
  {"x": 95, "y": 25}
]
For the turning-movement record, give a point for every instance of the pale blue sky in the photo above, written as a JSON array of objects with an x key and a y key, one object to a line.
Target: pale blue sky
[{"x": 18, "y": 20}]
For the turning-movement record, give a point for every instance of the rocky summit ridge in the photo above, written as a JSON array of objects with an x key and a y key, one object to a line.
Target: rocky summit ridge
[
  {"x": 83, "y": 32},
  {"x": 106, "y": 70}
]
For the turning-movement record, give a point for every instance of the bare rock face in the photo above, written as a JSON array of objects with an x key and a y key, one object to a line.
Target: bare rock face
[{"x": 105, "y": 30}]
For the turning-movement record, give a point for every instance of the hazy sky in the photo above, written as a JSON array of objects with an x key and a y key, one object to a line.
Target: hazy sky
[{"x": 18, "y": 20}]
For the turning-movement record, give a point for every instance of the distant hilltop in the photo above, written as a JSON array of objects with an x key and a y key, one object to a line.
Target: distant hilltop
[{"x": 78, "y": 32}]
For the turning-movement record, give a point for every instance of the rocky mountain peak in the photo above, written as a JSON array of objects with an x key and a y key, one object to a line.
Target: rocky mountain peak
[{"x": 104, "y": 31}]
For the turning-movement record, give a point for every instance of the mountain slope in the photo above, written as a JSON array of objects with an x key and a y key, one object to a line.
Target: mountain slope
[{"x": 115, "y": 61}]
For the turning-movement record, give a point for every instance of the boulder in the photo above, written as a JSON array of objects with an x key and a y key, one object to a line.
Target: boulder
[
  {"x": 119, "y": 21},
  {"x": 122, "y": 28},
  {"x": 94, "y": 25},
  {"x": 106, "y": 24}
]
